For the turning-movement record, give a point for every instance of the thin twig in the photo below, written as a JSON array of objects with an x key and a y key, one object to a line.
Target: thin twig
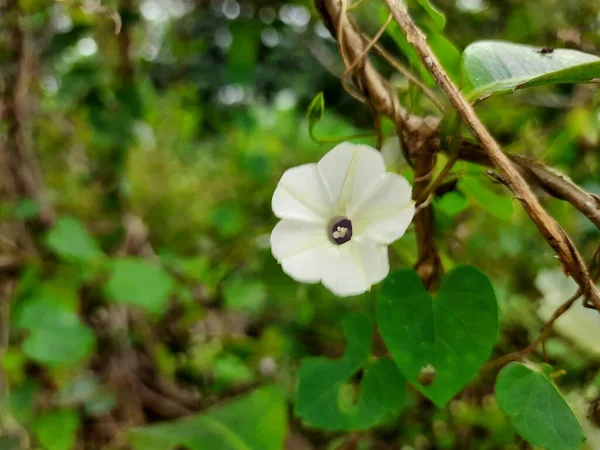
[
  {"x": 439, "y": 179},
  {"x": 396, "y": 64},
  {"x": 572, "y": 262},
  {"x": 548, "y": 327}
]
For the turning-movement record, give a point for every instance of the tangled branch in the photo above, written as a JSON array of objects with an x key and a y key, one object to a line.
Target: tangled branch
[{"x": 420, "y": 135}]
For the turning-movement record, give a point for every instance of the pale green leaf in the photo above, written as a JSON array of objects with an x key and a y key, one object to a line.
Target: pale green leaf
[{"x": 501, "y": 67}]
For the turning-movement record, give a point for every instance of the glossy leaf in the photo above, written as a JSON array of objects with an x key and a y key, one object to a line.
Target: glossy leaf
[
  {"x": 256, "y": 421},
  {"x": 325, "y": 398},
  {"x": 536, "y": 409},
  {"x": 502, "y": 67},
  {"x": 140, "y": 283},
  {"x": 450, "y": 335}
]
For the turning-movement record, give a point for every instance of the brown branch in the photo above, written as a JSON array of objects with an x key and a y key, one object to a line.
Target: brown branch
[
  {"x": 548, "y": 327},
  {"x": 414, "y": 133},
  {"x": 429, "y": 266},
  {"x": 555, "y": 236},
  {"x": 553, "y": 182}
]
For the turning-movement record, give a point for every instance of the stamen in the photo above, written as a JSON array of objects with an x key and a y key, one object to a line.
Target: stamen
[{"x": 340, "y": 230}]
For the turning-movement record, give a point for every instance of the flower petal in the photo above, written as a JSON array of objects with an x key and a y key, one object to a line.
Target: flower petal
[
  {"x": 299, "y": 247},
  {"x": 383, "y": 215},
  {"x": 343, "y": 272},
  {"x": 374, "y": 259},
  {"x": 301, "y": 195},
  {"x": 349, "y": 170}
]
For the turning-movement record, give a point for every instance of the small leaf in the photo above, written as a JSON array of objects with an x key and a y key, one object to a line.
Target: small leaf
[
  {"x": 57, "y": 430},
  {"x": 56, "y": 335},
  {"x": 326, "y": 400},
  {"x": 436, "y": 15},
  {"x": 498, "y": 205},
  {"x": 536, "y": 409},
  {"x": 27, "y": 209},
  {"x": 71, "y": 241},
  {"x": 257, "y": 421},
  {"x": 501, "y": 67},
  {"x": 316, "y": 109},
  {"x": 314, "y": 114},
  {"x": 247, "y": 295},
  {"x": 140, "y": 283},
  {"x": 451, "y": 335},
  {"x": 451, "y": 203}
]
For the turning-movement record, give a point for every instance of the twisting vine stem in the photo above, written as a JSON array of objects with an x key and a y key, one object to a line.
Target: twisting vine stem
[{"x": 556, "y": 237}]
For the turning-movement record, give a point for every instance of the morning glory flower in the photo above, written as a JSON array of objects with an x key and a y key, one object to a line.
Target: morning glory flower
[{"x": 337, "y": 218}]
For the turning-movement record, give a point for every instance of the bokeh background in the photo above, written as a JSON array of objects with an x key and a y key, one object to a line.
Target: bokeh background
[{"x": 160, "y": 128}]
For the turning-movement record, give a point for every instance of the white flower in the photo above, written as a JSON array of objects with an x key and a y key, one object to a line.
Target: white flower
[{"x": 338, "y": 217}]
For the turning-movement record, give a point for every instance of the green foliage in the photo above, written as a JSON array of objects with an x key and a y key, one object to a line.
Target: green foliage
[
  {"x": 256, "y": 421},
  {"x": 436, "y": 15},
  {"x": 70, "y": 240},
  {"x": 537, "y": 410},
  {"x": 140, "y": 283},
  {"x": 495, "y": 67},
  {"x": 500, "y": 206},
  {"x": 56, "y": 335},
  {"x": 450, "y": 335},
  {"x": 57, "y": 430},
  {"x": 452, "y": 203},
  {"x": 327, "y": 399},
  {"x": 245, "y": 294}
]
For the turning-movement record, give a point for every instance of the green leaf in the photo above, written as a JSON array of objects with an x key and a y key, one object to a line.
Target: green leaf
[
  {"x": 257, "y": 421},
  {"x": 446, "y": 52},
  {"x": 57, "y": 430},
  {"x": 498, "y": 205},
  {"x": 27, "y": 209},
  {"x": 140, "y": 283},
  {"x": 502, "y": 67},
  {"x": 10, "y": 443},
  {"x": 71, "y": 241},
  {"x": 451, "y": 335},
  {"x": 325, "y": 399},
  {"x": 451, "y": 203},
  {"x": 56, "y": 335},
  {"x": 244, "y": 294},
  {"x": 316, "y": 109},
  {"x": 536, "y": 409},
  {"x": 436, "y": 15}
]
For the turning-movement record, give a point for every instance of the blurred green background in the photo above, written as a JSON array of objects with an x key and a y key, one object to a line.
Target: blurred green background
[{"x": 161, "y": 128}]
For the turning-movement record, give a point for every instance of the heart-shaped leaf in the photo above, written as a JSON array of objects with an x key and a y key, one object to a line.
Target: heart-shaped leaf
[
  {"x": 537, "y": 411},
  {"x": 438, "y": 343},
  {"x": 501, "y": 67},
  {"x": 325, "y": 399}
]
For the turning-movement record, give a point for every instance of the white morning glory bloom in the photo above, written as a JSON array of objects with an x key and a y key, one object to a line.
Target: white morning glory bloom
[{"x": 338, "y": 217}]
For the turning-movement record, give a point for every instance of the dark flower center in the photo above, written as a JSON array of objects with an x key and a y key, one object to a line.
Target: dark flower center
[{"x": 340, "y": 230}]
